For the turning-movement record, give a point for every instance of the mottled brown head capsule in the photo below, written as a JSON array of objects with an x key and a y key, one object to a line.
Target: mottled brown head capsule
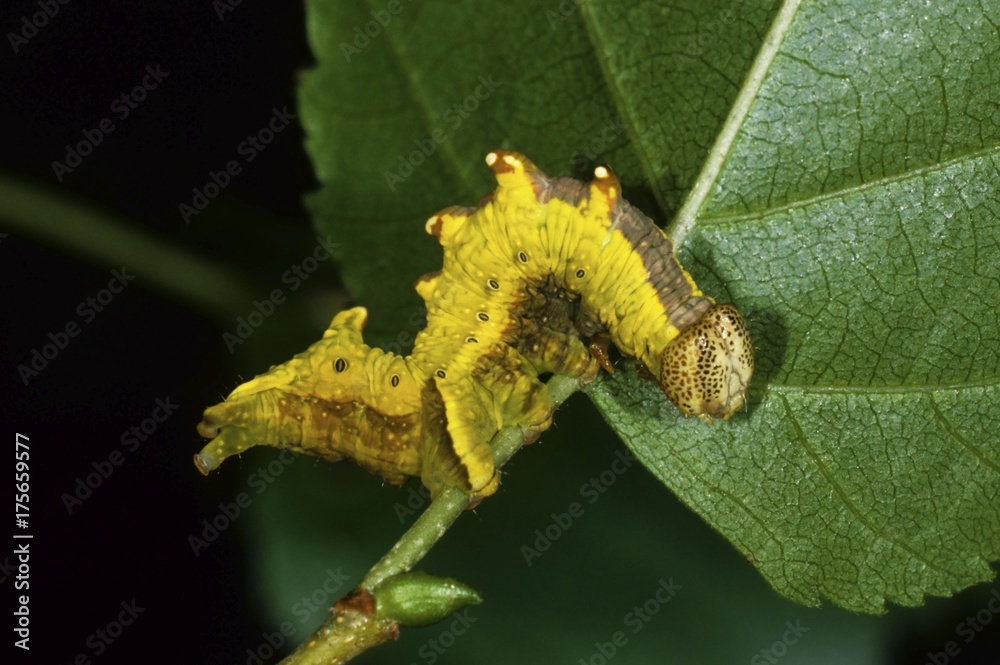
[{"x": 706, "y": 370}]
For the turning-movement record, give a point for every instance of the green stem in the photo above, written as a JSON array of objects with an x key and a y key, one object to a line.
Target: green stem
[
  {"x": 445, "y": 509},
  {"x": 72, "y": 225},
  {"x": 337, "y": 640},
  {"x": 351, "y": 630}
]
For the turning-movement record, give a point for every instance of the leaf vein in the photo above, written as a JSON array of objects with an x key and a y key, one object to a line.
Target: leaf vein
[
  {"x": 453, "y": 162},
  {"x": 846, "y": 500},
  {"x": 953, "y": 433},
  {"x": 991, "y": 151}
]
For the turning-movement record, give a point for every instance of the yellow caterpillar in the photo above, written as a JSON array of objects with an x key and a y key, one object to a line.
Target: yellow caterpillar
[{"x": 538, "y": 267}]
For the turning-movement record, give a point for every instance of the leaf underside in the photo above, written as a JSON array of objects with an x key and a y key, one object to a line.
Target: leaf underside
[{"x": 853, "y": 222}]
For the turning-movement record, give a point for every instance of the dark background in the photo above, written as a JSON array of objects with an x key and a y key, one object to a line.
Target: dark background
[{"x": 129, "y": 540}]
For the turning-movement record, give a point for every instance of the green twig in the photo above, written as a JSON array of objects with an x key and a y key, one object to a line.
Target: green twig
[
  {"x": 339, "y": 638},
  {"x": 101, "y": 238},
  {"x": 351, "y": 630}
]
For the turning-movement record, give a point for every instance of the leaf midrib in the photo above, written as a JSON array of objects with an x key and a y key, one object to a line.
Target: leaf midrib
[
  {"x": 687, "y": 217},
  {"x": 787, "y": 388}
]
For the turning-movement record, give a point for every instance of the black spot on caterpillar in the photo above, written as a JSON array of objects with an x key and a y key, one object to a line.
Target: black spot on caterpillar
[{"x": 541, "y": 265}]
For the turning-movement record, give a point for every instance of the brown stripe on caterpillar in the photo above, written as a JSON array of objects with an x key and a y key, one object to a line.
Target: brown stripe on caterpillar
[{"x": 674, "y": 287}]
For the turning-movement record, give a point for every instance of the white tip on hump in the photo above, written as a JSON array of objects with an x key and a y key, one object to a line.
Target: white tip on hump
[
  {"x": 432, "y": 222},
  {"x": 491, "y": 159},
  {"x": 601, "y": 172}
]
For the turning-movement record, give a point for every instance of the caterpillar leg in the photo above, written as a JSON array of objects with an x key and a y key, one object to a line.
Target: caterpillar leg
[
  {"x": 643, "y": 371},
  {"x": 599, "y": 344},
  {"x": 510, "y": 379},
  {"x": 557, "y": 352}
]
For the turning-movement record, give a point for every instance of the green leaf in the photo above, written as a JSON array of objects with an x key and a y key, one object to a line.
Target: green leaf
[
  {"x": 830, "y": 168},
  {"x": 854, "y": 221}
]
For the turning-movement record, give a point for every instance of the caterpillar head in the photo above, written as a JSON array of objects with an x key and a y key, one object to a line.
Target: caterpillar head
[{"x": 706, "y": 369}]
